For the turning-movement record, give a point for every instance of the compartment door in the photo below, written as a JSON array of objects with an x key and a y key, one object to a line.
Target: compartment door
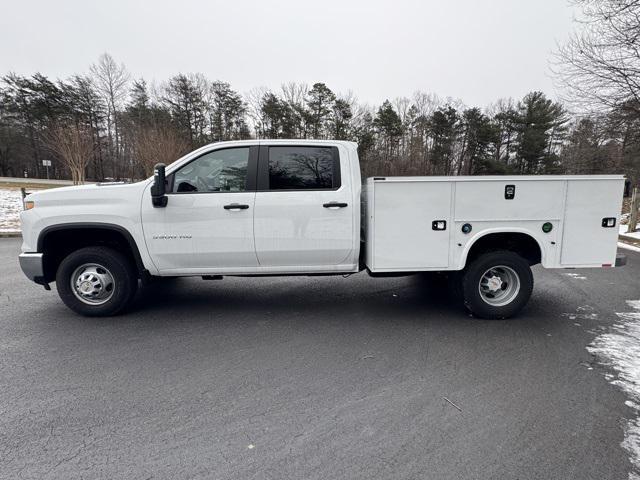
[
  {"x": 585, "y": 242},
  {"x": 404, "y": 237}
]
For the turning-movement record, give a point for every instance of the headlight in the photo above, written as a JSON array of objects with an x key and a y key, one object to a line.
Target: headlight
[{"x": 28, "y": 205}]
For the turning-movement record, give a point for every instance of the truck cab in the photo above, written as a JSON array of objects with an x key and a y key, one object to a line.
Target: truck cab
[
  {"x": 276, "y": 207},
  {"x": 290, "y": 207}
]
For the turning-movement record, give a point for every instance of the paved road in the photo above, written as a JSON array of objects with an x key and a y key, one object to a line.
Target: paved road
[{"x": 309, "y": 378}]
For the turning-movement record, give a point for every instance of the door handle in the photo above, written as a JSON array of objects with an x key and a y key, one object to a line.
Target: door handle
[
  {"x": 236, "y": 206},
  {"x": 334, "y": 205}
]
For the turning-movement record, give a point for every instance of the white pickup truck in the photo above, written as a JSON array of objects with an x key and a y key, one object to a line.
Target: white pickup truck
[{"x": 291, "y": 207}]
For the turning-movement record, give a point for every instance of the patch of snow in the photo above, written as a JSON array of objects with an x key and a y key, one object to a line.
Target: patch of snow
[
  {"x": 587, "y": 365},
  {"x": 620, "y": 350},
  {"x": 577, "y": 276},
  {"x": 10, "y": 208},
  {"x": 623, "y": 231},
  {"x": 583, "y": 312}
]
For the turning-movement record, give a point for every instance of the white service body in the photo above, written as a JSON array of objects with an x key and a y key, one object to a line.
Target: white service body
[{"x": 400, "y": 211}]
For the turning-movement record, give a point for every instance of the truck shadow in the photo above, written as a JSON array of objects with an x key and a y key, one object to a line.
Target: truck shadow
[
  {"x": 416, "y": 298},
  {"x": 282, "y": 295},
  {"x": 303, "y": 316}
]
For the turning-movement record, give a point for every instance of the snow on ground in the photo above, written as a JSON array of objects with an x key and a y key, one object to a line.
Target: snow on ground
[
  {"x": 577, "y": 276},
  {"x": 10, "y": 208},
  {"x": 623, "y": 231},
  {"x": 620, "y": 349}
]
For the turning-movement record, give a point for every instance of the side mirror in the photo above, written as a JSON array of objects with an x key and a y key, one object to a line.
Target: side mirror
[{"x": 159, "y": 189}]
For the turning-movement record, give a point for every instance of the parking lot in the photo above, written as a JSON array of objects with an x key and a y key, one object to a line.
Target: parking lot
[{"x": 314, "y": 378}]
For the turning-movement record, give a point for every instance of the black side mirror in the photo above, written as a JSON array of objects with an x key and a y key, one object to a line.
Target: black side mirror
[{"x": 159, "y": 188}]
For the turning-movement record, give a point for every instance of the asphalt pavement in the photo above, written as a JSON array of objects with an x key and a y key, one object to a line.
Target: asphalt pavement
[{"x": 311, "y": 378}]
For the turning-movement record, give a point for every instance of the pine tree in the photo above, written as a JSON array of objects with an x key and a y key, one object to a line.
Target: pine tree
[
  {"x": 389, "y": 127},
  {"x": 539, "y": 124},
  {"x": 443, "y": 129},
  {"x": 184, "y": 96},
  {"x": 479, "y": 136},
  {"x": 319, "y": 103},
  {"x": 341, "y": 119}
]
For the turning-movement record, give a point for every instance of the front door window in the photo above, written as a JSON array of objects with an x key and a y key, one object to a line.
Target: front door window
[{"x": 217, "y": 171}]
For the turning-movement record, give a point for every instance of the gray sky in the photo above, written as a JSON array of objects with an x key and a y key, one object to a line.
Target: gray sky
[{"x": 474, "y": 50}]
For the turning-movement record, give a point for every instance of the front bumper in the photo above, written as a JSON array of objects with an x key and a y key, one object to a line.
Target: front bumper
[{"x": 32, "y": 266}]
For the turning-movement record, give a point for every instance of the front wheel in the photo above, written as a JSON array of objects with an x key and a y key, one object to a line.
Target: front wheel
[
  {"x": 96, "y": 281},
  {"x": 496, "y": 285}
]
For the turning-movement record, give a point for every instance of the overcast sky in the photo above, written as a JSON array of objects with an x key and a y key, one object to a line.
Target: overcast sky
[{"x": 474, "y": 50}]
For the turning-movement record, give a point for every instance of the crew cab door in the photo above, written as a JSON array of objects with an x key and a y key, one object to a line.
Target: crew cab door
[
  {"x": 207, "y": 225},
  {"x": 304, "y": 207}
]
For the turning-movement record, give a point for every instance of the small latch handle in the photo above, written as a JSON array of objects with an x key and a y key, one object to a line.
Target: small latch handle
[{"x": 439, "y": 225}]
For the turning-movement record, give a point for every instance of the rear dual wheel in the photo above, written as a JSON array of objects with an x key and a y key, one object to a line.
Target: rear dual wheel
[{"x": 496, "y": 285}]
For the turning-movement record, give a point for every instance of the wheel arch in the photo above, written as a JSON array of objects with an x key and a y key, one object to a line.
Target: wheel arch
[
  {"x": 518, "y": 240},
  {"x": 57, "y": 241}
]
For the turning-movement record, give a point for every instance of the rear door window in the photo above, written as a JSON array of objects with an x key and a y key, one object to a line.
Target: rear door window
[{"x": 303, "y": 168}]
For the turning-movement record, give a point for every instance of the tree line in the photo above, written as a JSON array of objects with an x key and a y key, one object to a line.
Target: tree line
[{"x": 105, "y": 125}]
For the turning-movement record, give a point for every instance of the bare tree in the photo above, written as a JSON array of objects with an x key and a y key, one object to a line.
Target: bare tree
[
  {"x": 74, "y": 145},
  {"x": 426, "y": 103},
  {"x": 254, "y": 103},
  {"x": 157, "y": 144},
  {"x": 112, "y": 81},
  {"x": 294, "y": 95},
  {"x": 402, "y": 105},
  {"x": 600, "y": 64}
]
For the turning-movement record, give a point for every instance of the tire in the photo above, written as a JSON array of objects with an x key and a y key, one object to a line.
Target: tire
[
  {"x": 96, "y": 281},
  {"x": 496, "y": 285}
]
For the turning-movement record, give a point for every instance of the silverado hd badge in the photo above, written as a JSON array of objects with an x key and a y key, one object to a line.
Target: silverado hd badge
[{"x": 171, "y": 237}]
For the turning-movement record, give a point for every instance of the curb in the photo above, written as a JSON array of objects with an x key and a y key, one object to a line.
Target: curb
[
  {"x": 629, "y": 239},
  {"x": 10, "y": 235}
]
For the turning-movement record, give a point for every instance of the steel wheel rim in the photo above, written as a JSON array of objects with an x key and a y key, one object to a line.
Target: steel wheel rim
[
  {"x": 92, "y": 284},
  {"x": 499, "y": 286}
]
